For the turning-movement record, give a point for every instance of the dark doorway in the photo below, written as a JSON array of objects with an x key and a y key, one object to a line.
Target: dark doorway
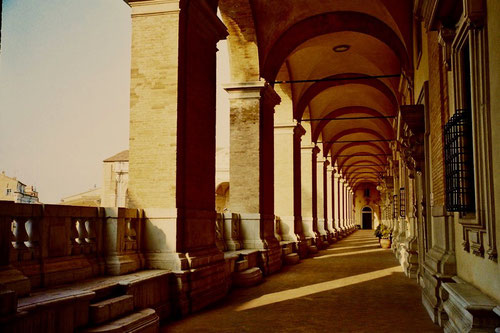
[{"x": 366, "y": 215}]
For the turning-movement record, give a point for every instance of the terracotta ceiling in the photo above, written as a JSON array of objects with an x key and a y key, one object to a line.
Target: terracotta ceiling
[{"x": 294, "y": 40}]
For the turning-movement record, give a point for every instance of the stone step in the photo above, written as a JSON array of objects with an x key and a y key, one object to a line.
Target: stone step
[
  {"x": 144, "y": 321},
  {"x": 241, "y": 265},
  {"x": 286, "y": 249},
  {"x": 313, "y": 249},
  {"x": 247, "y": 278},
  {"x": 251, "y": 255},
  {"x": 292, "y": 259},
  {"x": 111, "y": 309}
]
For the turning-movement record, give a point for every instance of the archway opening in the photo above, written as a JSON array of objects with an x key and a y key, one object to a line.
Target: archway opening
[{"x": 367, "y": 218}]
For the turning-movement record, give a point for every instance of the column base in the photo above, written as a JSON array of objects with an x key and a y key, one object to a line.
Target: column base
[
  {"x": 287, "y": 229},
  {"x": 307, "y": 227},
  {"x": 410, "y": 258},
  {"x": 232, "y": 228},
  {"x": 301, "y": 247},
  {"x": 203, "y": 283},
  {"x": 269, "y": 246}
]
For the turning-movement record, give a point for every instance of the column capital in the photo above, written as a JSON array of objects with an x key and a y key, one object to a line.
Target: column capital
[
  {"x": 306, "y": 147},
  {"x": 269, "y": 96},
  {"x": 299, "y": 131},
  {"x": 316, "y": 150},
  {"x": 148, "y": 7},
  {"x": 253, "y": 90},
  {"x": 244, "y": 90}
]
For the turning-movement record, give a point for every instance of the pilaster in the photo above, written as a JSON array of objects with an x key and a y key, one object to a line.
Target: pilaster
[
  {"x": 320, "y": 200},
  {"x": 252, "y": 166},
  {"x": 329, "y": 203},
  {"x": 172, "y": 133}
]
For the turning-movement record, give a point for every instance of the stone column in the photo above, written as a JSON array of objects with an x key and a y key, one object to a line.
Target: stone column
[
  {"x": 329, "y": 203},
  {"x": 284, "y": 138},
  {"x": 252, "y": 167},
  {"x": 342, "y": 206},
  {"x": 320, "y": 200},
  {"x": 336, "y": 203},
  {"x": 307, "y": 152},
  {"x": 349, "y": 207},
  {"x": 287, "y": 183},
  {"x": 172, "y": 133},
  {"x": 351, "y": 204},
  {"x": 302, "y": 247}
]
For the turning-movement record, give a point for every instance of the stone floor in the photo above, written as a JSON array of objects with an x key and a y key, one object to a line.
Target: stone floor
[{"x": 354, "y": 286}]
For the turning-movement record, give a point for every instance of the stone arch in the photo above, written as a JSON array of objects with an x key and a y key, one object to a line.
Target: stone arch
[
  {"x": 347, "y": 78},
  {"x": 351, "y": 110},
  {"x": 327, "y": 23}
]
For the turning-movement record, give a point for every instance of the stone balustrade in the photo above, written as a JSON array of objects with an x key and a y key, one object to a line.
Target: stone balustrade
[{"x": 46, "y": 245}]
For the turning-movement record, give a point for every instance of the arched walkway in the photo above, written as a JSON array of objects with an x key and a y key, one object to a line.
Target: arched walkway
[{"x": 353, "y": 286}]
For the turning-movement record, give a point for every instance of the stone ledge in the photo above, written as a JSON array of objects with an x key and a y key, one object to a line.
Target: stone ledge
[
  {"x": 469, "y": 297},
  {"x": 145, "y": 320}
]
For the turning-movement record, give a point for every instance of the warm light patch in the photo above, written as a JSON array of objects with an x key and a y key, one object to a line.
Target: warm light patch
[
  {"x": 316, "y": 288},
  {"x": 352, "y": 247},
  {"x": 348, "y": 254}
]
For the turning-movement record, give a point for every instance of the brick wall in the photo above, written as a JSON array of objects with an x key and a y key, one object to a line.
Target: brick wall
[
  {"x": 439, "y": 114},
  {"x": 153, "y": 106}
]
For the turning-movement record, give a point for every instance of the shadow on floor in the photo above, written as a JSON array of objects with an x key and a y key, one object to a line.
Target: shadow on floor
[{"x": 354, "y": 286}]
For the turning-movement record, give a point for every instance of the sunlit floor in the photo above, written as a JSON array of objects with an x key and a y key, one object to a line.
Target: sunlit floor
[{"x": 354, "y": 286}]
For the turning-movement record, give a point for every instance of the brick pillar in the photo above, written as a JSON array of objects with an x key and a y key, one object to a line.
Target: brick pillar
[
  {"x": 320, "y": 200},
  {"x": 314, "y": 193},
  {"x": 351, "y": 207},
  {"x": 307, "y": 153},
  {"x": 335, "y": 203},
  {"x": 172, "y": 134},
  {"x": 298, "y": 132},
  {"x": 284, "y": 179},
  {"x": 287, "y": 183},
  {"x": 329, "y": 202},
  {"x": 252, "y": 167}
]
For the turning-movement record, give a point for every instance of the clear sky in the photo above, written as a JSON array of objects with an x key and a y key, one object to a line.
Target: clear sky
[{"x": 64, "y": 92}]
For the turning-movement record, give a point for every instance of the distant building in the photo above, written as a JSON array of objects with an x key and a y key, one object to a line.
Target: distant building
[
  {"x": 115, "y": 184},
  {"x": 11, "y": 189},
  {"x": 115, "y": 181},
  {"x": 90, "y": 198}
]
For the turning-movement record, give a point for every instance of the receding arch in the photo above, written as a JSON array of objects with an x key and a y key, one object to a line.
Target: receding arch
[
  {"x": 355, "y": 144},
  {"x": 365, "y": 158},
  {"x": 358, "y": 130},
  {"x": 327, "y": 23},
  {"x": 350, "y": 110},
  {"x": 362, "y": 162},
  {"x": 320, "y": 86}
]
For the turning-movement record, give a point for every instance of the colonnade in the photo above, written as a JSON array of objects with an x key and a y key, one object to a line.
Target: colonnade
[{"x": 172, "y": 150}]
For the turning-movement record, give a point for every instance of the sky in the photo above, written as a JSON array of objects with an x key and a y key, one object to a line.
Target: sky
[{"x": 64, "y": 92}]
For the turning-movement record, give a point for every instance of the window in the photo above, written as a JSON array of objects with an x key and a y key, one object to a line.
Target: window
[
  {"x": 367, "y": 192},
  {"x": 8, "y": 191},
  {"x": 468, "y": 145}
]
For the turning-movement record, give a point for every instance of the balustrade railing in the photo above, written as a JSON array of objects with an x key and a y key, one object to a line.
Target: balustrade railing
[{"x": 53, "y": 244}]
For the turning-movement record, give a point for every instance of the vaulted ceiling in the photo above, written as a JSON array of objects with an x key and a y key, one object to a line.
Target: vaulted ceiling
[{"x": 329, "y": 51}]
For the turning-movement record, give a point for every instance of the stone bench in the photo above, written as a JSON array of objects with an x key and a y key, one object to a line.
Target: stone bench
[
  {"x": 76, "y": 306},
  {"x": 468, "y": 309}
]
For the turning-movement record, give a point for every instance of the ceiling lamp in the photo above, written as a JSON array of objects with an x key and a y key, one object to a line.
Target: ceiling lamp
[{"x": 341, "y": 48}]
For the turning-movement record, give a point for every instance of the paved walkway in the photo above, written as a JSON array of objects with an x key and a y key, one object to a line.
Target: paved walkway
[{"x": 354, "y": 286}]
